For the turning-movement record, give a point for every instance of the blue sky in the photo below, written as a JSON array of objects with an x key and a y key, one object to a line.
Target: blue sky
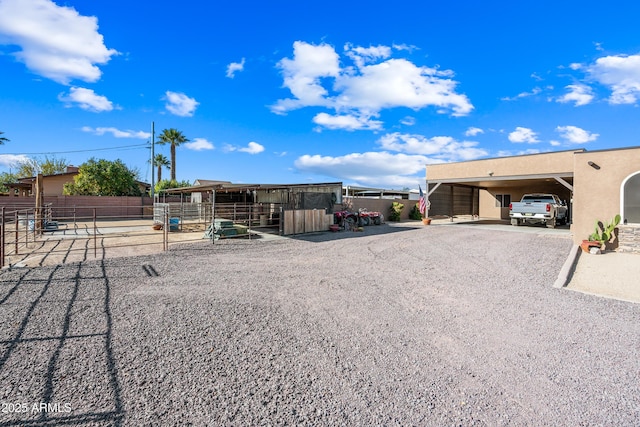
[{"x": 297, "y": 92}]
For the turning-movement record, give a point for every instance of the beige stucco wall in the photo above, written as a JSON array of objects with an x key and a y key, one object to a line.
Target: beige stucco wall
[
  {"x": 487, "y": 202},
  {"x": 596, "y": 195},
  {"x": 53, "y": 184},
  {"x": 545, "y": 163},
  {"x": 597, "y": 192}
]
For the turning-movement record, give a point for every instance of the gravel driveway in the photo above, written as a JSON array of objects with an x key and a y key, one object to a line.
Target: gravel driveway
[{"x": 440, "y": 325}]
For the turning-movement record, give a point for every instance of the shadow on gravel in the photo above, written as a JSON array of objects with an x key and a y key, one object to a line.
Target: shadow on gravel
[
  {"x": 507, "y": 222},
  {"x": 56, "y": 353},
  {"x": 371, "y": 230}
]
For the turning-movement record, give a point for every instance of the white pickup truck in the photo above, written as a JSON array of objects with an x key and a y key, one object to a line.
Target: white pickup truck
[{"x": 547, "y": 209}]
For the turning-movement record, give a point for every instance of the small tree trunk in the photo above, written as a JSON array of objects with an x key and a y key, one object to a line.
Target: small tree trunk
[{"x": 173, "y": 162}]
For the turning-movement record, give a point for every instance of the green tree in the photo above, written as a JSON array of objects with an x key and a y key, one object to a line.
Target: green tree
[
  {"x": 46, "y": 166},
  {"x": 7, "y": 178},
  {"x": 103, "y": 178},
  {"x": 174, "y": 138},
  {"x": 3, "y": 139},
  {"x": 160, "y": 161},
  {"x": 171, "y": 183}
]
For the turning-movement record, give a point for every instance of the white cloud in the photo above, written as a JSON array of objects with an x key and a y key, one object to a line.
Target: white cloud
[
  {"x": 441, "y": 148},
  {"x": 87, "y": 99},
  {"x": 117, "y": 133},
  {"x": 346, "y": 122},
  {"x": 534, "y": 91},
  {"x": 251, "y": 148},
  {"x": 302, "y": 76},
  {"x": 578, "y": 93},
  {"x": 180, "y": 104},
  {"x": 555, "y": 143},
  {"x": 55, "y": 42},
  {"x": 576, "y": 135},
  {"x": 401, "y": 164},
  {"x": 523, "y": 135},
  {"x": 234, "y": 67},
  {"x": 363, "y": 55},
  {"x": 404, "y": 46},
  {"x": 507, "y": 153},
  {"x": 12, "y": 160},
  {"x": 399, "y": 83},
  {"x": 473, "y": 131},
  {"x": 371, "y": 168},
  {"x": 375, "y": 82},
  {"x": 408, "y": 121},
  {"x": 621, "y": 74},
  {"x": 199, "y": 144}
]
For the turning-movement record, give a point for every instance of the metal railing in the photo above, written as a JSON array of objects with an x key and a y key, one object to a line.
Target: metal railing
[{"x": 46, "y": 233}]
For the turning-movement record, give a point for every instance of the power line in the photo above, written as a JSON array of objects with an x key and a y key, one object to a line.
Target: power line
[{"x": 131, "y": 147}]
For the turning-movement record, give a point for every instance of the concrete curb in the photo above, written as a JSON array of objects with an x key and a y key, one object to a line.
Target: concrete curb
[{"x": 567, "y": 267}]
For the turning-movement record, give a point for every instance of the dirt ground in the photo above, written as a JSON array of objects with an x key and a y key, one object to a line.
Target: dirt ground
[
  {"x": 394, "y": 325},
  {"x": 113, "y": 239}
]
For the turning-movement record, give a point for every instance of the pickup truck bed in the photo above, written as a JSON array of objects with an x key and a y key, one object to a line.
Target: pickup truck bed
[{"x": 538, "y": 208}]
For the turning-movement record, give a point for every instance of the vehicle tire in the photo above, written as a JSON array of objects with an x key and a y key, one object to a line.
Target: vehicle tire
[
  {"x": 376, "y": 220},
  {"x": 551, "y": 224},
  {"x": 349, "y": 222},
  {"x": 364, "y": 220}
]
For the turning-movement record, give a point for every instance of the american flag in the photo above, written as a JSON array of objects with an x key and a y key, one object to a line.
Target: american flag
[{"x": 422, "y": 203}]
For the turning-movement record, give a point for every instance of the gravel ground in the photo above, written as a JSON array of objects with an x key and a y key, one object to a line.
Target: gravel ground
[{"x": 440, "y": 325}]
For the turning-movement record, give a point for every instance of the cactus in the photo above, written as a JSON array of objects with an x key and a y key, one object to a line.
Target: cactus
[{"x": 604, "y": 231}]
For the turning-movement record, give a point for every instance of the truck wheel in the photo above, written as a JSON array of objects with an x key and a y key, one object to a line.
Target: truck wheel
[
  {"x": 515, "y": 221},
  {"x": 551, "y": 224}
]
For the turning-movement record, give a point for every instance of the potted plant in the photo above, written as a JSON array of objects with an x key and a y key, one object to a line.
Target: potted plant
[{"x": 602, "y": 234}]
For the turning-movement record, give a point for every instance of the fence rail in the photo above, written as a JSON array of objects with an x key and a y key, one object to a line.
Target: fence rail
[{"x": 56, "y": 234}]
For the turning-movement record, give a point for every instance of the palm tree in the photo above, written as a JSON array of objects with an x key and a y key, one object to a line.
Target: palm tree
[
  {"x": 160, "y": 160},
  {"x": 3, "y": 139},
  {"x": 174, "y": 137}
]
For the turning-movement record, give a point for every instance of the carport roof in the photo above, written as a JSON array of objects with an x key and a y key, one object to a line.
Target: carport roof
[{"x": 506, "y": 181}]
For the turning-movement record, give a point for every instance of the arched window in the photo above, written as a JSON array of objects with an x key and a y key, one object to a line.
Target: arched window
[{"x": 631, "y": 199}]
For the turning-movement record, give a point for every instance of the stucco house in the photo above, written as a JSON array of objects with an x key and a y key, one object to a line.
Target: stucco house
[
  {"x": 597, "y": 185},
  {"x": 52, "y": 185}
]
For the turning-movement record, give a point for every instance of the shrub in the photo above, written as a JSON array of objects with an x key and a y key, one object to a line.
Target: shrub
[
  {"x": 395, "y": 211},
  {"x": 415, "y": 212}
]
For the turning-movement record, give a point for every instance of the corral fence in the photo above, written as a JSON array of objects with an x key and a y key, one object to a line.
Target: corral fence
[
  {"x": 272, "y": 218},
  {"x": 59, "y": 233},
  {"x": 28, "y": 232}
]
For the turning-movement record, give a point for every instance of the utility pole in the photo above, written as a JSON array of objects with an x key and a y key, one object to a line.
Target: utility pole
[{"x": 153, "y": 155}]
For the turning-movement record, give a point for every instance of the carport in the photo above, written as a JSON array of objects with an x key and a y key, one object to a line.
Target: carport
[
  {"x": 485, "y": 188},
  {"x": 607, "y": 183}
]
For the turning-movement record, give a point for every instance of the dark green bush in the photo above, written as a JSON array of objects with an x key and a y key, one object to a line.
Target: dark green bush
[{"x": 415, "y": 213}]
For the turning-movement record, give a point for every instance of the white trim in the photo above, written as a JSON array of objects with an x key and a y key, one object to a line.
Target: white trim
[{"x": 624, "y": 182}]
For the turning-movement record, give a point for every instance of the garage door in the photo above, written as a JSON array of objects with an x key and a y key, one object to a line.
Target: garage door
[{"x": 454, "y": 200}]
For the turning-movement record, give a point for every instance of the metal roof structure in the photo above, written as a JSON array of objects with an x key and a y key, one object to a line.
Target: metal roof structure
[{"x": 207, "y": 185}]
